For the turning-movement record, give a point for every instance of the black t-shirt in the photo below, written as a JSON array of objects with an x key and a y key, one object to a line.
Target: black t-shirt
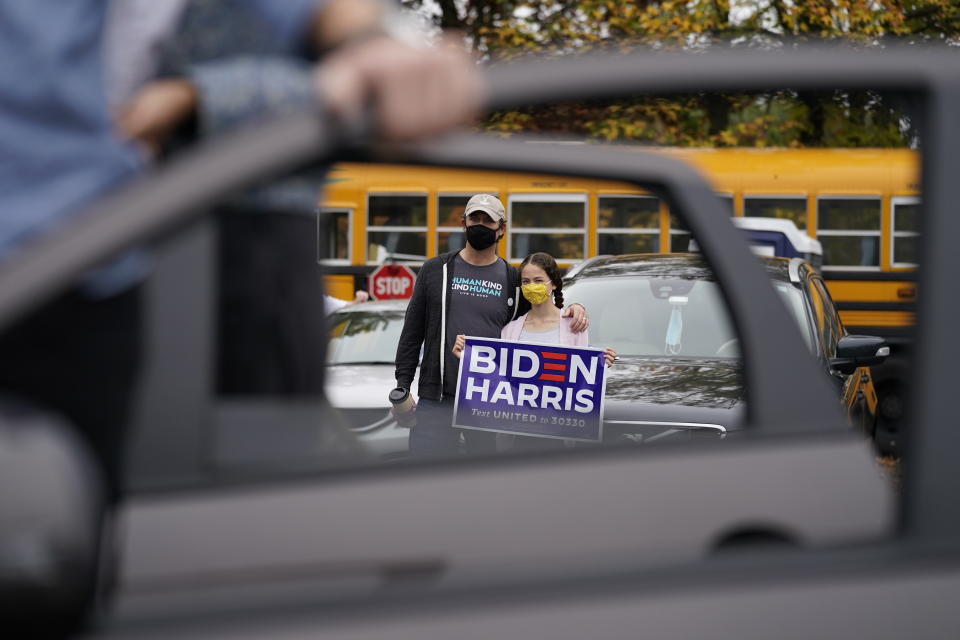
[{"x": 477, "y": 301}]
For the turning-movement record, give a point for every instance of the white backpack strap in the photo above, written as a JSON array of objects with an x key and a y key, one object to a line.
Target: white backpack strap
[{"x": 443, "y": 326}]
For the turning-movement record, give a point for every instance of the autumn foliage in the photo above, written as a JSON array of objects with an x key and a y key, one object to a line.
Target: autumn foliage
[{"x": 505, "y": 30}]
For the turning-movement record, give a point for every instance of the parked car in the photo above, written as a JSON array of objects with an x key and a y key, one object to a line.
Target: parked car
[
  {"x": 680, "y": 372},
  {"x": 360, "y": 372},
  {"x": 689, "y": 389}
]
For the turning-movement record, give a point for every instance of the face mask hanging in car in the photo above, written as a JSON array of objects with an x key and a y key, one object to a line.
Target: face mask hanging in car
[{"x": 675, "y": 328}]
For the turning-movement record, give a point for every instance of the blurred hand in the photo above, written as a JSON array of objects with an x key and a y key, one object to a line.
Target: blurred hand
[
  {"x": 459, "y": 345},
  {"x": 609, "y": 356},
  {"x": 414, "y": 91},
  {"x": 361, "y": 296},
  {"x": 580, "y": 320},
  {"x": 156, "y": 111}
]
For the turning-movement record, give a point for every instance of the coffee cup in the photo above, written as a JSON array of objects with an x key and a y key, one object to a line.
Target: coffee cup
[{"x": 404, "y": 410}]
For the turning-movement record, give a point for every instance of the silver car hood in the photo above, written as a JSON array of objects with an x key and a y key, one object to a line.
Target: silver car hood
[{"x": 360, "y": 386}]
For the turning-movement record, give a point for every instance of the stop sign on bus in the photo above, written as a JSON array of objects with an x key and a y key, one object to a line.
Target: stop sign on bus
[{"x": 392, "y": 282}]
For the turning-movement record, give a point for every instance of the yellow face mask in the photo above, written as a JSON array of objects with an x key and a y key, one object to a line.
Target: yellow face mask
[{"x": 535, "y": 293}]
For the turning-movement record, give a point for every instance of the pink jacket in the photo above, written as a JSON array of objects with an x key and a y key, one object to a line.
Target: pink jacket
[{"x": 567, "y": 337}]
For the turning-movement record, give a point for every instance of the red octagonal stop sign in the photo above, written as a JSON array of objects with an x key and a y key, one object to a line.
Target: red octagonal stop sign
[{"x": 392, "y": 282}]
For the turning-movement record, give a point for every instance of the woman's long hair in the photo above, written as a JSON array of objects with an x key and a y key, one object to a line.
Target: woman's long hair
[{"x": 546, "y": 262}]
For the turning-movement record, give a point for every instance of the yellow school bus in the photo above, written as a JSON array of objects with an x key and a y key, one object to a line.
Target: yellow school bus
[{"x": 862, "y": 205}]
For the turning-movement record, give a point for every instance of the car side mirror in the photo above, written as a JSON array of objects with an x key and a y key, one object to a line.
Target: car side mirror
[
  {"x": 52, "y": 508},
  {"x": 859, "y": 351}
]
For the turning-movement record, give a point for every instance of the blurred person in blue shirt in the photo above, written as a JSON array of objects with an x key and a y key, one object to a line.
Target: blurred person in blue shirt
[
  {"x": 61, "y": 151},
  {"x": 217, "y": 71}
]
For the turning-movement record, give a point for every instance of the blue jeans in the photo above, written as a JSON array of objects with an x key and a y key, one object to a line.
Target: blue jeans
[{"x": 433, "y": 434}]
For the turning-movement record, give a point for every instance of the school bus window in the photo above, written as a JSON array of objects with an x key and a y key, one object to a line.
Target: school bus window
[
  {"x": 333, "y": 236},
  {"x": 905, "y": 213},
  {"x": 563, "y": 246},
  {"x": 679, "y": 236},
  {"x": 628, "y": 224},
  {"x": 547, "y": 222},
  {"x": 849, "y": 230},
  {"x": 396, "y": 227},
  {"x": 784, "y": 207},
  {"x": 449, "y": 215}
]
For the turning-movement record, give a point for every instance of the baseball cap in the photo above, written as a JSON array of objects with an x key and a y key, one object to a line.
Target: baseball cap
[{"x": 487, "y": 203}]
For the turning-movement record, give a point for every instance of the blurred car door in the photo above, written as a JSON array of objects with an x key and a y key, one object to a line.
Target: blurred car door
[
  {"x": 430, "y": 524},
  {"x": 271, "y": 551}
]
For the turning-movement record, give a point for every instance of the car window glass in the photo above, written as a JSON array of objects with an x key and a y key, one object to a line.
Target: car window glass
[
  {"x": 820, "y": 313},
  {"x": 831, "y": 315},
  {"x": 634, "y": 314},
  {"x": 633, "y": 318},
  {"x": 793, "y": 299},
  {"x": 363, "y": 337},
  {"x": 678, "y": 318},
  {"x": 669, "y": 324}
]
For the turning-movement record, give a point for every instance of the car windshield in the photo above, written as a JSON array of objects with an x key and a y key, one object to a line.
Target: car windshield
[
  {"x": 662, "y": 316},
  {"x": 368, "y": 337}
]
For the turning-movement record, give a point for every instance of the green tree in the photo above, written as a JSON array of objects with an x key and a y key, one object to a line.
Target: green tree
[{"x": 504, "y": 30}]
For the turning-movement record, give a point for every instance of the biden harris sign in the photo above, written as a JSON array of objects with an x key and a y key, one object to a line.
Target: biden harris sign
[{"x": 531, "y": 389}]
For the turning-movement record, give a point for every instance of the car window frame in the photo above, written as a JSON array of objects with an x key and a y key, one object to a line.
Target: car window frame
[
  {"x": 930, "y": 517},
  {"x": 931, "y": 511}
]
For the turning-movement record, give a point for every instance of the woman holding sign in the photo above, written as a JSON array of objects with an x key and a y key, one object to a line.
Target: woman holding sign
[{"x": 542, "y": 285}]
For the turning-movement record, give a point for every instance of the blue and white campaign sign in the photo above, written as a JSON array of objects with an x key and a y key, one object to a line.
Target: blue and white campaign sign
[{"x": 531, "y": 389}]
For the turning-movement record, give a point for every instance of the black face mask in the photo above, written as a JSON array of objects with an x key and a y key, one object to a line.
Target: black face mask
[{"x": 480, "y": 236}]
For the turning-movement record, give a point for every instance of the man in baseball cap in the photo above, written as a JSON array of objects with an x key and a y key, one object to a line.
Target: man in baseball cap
[
  {"x": 483, "y": 223},
  {"x": 487, "y": 203}
]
